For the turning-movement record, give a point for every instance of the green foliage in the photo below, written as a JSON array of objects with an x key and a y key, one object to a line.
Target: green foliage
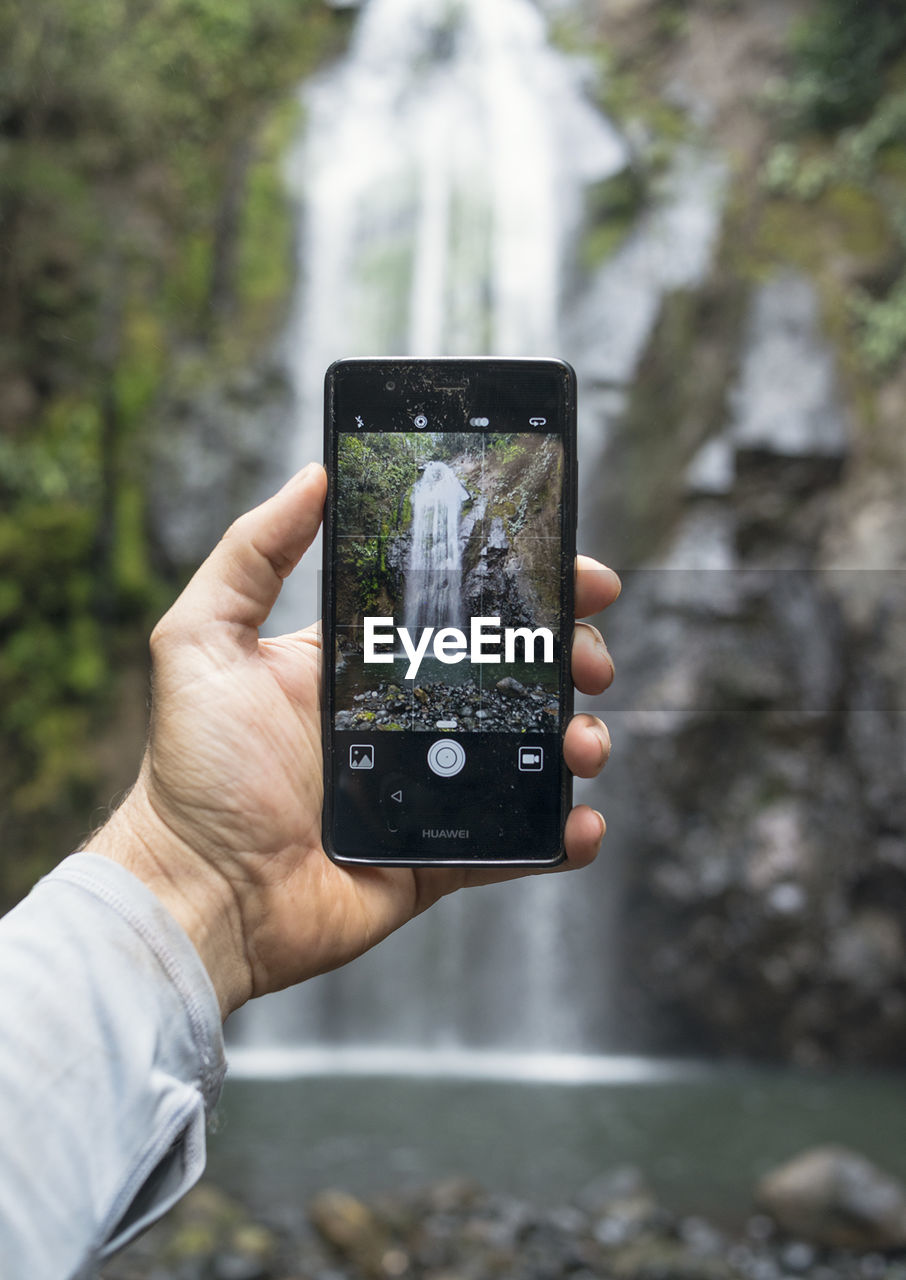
[
  {"x": 359, "y": 562},
  {"x": 140, "y": 148},
  {"x": 119, "y": 124},
  {"x": 671, "y": 19},
  {"x": 376, "y": 475},
  {"x": 187, "y": 285},
  {"x": 624, "y": 89},
  {"x": 848, "y": 225},
  {"x": 862, "y": 148},
  {"x": 840, "y": 54},
  {"x": 785, "y": 172},
  {"x": 51, "y": 655},
  {"x": 132, "y": 575},
  {"x": 266, "y": 227},
  {"x": 855, "y": 156},
  {"x": 503, "y": 447},
  {"x": 881, "y": 327},
  {"x": 613, "y": 206},
  {"x": 139, "y": 369},
  {"x": 60, "y": 461},
  {"x": 850, "y": 169}
]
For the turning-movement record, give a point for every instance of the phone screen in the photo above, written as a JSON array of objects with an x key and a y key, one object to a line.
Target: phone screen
[{"x": 449, "y": 550}]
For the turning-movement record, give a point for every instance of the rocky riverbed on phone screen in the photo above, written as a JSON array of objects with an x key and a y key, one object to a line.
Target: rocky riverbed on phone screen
[{"x": 505, "y": 706}]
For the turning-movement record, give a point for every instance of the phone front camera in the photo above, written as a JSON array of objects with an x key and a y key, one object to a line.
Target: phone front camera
[
  {"x": 420, "y": 421},
  {"x": 390, "y": 386}
]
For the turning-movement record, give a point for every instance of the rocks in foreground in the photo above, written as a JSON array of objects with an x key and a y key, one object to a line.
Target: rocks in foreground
[
  {"x": 835, "y": 1197},
  {"x": 827, "y": 1214}
]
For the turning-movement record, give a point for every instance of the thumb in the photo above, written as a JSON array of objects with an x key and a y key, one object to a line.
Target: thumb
[{"x": 239, "y": 582}]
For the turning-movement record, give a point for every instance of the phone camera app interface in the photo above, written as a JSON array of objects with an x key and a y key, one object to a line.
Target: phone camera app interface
[{"x": 447, "y": 646}]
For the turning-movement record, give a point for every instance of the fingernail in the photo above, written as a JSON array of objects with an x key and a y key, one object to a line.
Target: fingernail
[
  {"x": 301, "y": 475},
  {"x": 604, "y": 736},
  {"x": 600, "y": 817},
  {"x": 616, "y": 580}
]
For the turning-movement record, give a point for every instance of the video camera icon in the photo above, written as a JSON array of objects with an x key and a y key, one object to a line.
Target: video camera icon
[
  {"x": 361, "y": 756},
  {"x": 531, "y": 759}
]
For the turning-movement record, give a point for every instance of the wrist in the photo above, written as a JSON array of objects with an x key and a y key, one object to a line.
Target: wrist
[{"x": 191, "y": 888}]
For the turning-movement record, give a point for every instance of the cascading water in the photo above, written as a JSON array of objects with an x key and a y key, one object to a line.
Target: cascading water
[
  {"x": 440, "y": 182},
  {"x": 433, "y": 578},
  {"x": 439, "y": 179}
]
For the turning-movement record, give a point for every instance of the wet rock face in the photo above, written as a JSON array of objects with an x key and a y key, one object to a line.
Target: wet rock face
[
  {"x": 509, "y": 509},
  {"x": 787, "y": 400},
  {"x": 761, "y": 794},
  {"x": 216, "y": 458},
  {"x": 497, "y": 575}
]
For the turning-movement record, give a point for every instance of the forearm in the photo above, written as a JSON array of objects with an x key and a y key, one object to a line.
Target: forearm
[
  {"x": 203, "y": 902},
  {"x": 110, "y": 1053}
]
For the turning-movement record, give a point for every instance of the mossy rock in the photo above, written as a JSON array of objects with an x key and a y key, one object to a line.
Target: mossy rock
[
  {"x": 858, "y": 221},
  {"x": 264, "y": 252},
  {"x": 618, "y": 196}
]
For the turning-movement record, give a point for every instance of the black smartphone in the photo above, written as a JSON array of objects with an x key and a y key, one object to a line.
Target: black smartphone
[{"x": 449, "y": 550}]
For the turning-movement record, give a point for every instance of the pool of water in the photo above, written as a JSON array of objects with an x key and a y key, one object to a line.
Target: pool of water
[{"x": 702, "y": 1136}]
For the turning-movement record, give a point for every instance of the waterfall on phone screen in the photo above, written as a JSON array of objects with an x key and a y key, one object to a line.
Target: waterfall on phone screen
[
  {"x": 441, "y": 179},
  {"x": 433, "y": 574}
]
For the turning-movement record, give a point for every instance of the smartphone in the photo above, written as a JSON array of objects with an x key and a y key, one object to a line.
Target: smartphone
[{"x": 449, "y": 551}]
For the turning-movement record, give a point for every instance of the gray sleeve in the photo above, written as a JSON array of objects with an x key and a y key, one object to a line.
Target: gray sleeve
[{"x": 111, "y": 1052}]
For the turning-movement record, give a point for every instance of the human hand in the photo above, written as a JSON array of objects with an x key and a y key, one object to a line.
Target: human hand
[{"x": 224, "y": 821}]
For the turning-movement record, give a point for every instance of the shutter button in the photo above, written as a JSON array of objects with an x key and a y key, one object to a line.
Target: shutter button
[{"x": 446, "y": 757}]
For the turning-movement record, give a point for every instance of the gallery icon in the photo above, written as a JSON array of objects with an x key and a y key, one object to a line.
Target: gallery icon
[
  {"x": 361, "y": 756},
  {"x": 531, "y": 759}
]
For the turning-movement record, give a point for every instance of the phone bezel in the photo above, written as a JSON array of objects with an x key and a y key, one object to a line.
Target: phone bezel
[{"x": 407, "y": 374}]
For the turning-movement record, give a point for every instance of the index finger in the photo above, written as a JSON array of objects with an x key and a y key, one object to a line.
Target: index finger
[{"x": 596, "y": 586}]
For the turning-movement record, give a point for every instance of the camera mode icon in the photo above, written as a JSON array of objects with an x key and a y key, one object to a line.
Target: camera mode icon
[
  {"x": 361, "y": 756},
  {"x": 531, "y": 759}
]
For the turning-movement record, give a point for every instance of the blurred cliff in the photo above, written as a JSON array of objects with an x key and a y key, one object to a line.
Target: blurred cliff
[
  {"x": 756, "y": 482},
  {"x": 145, "y": 254}
]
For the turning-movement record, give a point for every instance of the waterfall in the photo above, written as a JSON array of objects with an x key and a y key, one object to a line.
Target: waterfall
[
  {"x": 433, "y": 578},
  {"x": 440, "y": 178}
]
